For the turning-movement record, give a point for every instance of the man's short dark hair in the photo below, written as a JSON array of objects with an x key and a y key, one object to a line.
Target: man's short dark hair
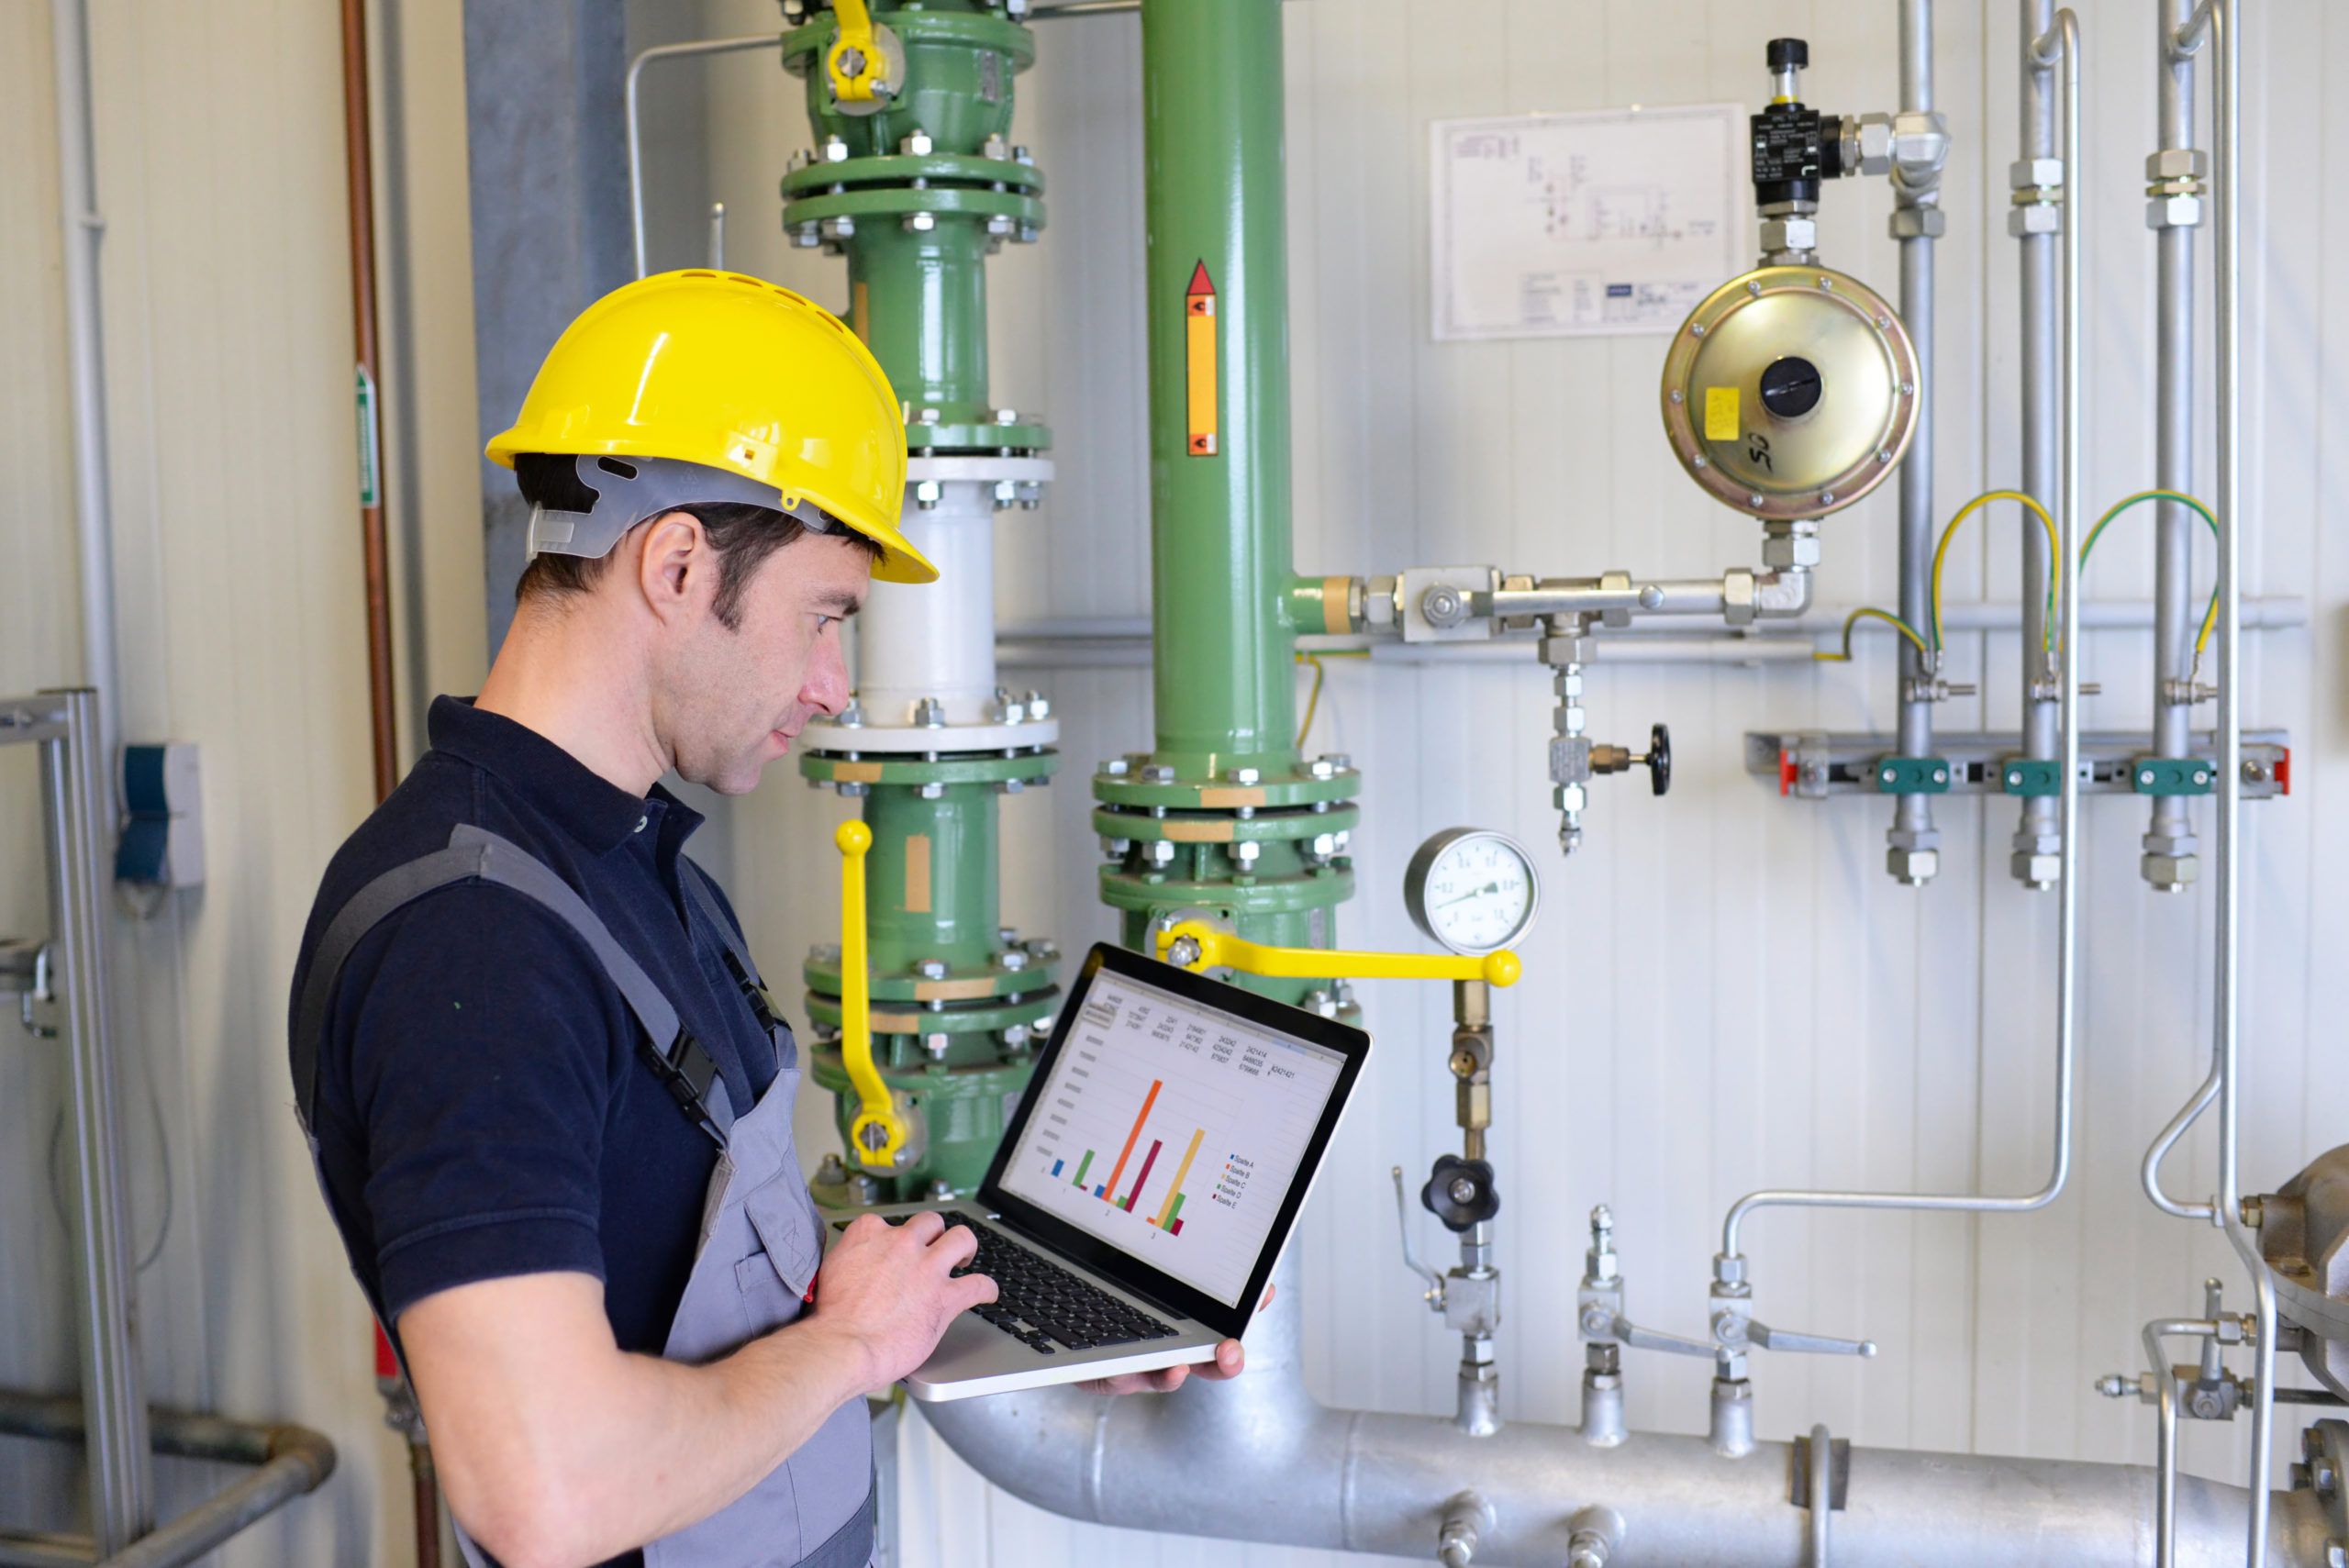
[{"x": 742, "y": 536}]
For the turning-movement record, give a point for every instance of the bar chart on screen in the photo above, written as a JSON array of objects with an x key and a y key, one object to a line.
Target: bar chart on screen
[{"x": 1171, "y": 1130}]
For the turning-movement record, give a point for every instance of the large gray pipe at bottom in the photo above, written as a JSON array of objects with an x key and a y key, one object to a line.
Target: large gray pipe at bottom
[{"x": 1260, "y": 1460}]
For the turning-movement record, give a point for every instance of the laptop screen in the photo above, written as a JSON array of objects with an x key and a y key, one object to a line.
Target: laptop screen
[{"x": 1172, "y": 1130}]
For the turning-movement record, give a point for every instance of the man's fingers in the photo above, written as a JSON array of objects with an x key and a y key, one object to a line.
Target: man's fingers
[
  {"x": 958, "y": 1246},
  {"x": 974, "y": 1290},
  {"x": 1268, "y": 1297},
  {"x": 924, "y": 1226}
]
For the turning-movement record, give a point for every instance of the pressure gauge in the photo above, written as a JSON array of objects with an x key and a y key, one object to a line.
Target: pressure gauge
[{"x": 1472, "y": 889}]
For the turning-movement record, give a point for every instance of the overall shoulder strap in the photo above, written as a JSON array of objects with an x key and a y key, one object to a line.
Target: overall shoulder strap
[
  {"x": 702, "y": 892},
  {"x": 475, "y": 854}
]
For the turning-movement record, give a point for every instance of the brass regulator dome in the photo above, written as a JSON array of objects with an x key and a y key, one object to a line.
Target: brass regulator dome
[{"x": 1790, "y": 392}]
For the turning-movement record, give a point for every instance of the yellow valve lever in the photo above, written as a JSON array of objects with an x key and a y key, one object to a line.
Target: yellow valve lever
[
  {"x": 878, "y": 1133},
  {"x": 855, "y": 63},
  {"x": 1195, "y": 945}
]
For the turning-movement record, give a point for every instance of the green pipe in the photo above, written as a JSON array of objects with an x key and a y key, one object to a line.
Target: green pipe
[
  {"x": 1223, "y": 815},
  {"x": 1220, "y": 523},
  {"x": 919, "y": 298}
]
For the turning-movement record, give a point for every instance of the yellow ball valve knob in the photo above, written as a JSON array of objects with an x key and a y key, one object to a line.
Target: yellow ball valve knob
[{"x": 878, "y": 1131}]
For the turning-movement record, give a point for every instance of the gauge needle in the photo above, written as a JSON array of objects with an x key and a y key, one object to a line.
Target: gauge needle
[{"x": 1471, "y": 892}]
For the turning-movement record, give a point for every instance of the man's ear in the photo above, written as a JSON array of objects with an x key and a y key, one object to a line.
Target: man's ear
[{"x": 675, "y": 568}]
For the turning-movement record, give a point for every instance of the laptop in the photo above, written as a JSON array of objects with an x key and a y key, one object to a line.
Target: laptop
[{"x": 1147, "y": 1180}]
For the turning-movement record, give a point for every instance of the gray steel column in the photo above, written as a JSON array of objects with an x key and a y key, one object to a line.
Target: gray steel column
[
  {"x": 1913, "y": 852},
  {"x": 2169, "y": 843},
  {"x": 547, "y": 149},
  {"x": 73, "y": 789},
  {"x": 2037, "y": 840}
]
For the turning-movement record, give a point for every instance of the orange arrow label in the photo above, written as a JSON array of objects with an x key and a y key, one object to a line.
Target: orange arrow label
[{"x": 1198, "y": 322}]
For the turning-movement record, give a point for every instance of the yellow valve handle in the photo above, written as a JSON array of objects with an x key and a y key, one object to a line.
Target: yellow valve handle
[
  {"x": 878, "y": 1133},
  {"x": 1203, "y": 947},
  {"x": 859, "y": 72}
]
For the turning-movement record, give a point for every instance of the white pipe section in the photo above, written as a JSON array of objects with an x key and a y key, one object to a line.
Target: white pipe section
[
  {"x": 2060, "y": 45},
  {"x": 93, "y": 514},
  {"x": 935, "y": 640}
]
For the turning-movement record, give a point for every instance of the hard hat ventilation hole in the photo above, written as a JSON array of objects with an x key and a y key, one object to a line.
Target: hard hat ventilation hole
[{"x": 613, "y": 465}]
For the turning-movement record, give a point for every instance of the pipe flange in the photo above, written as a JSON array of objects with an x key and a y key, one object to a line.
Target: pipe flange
[{"x": 936, "y": 743}]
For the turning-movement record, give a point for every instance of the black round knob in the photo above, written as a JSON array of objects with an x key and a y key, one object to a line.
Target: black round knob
[
  {"x": 1785, "y": 52},
  {"x": 1659, "y": 759},
  {"x": 1791, "y": 387},
  {"x": 1459, "y": 1192}
]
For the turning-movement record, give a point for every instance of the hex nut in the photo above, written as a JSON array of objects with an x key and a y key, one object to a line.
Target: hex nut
[
  {"x": 2173, "y": 212},
  {"x": 2036, "y": 218},
  {"x": 1789, "y": 234},
  {"x": 1918, "y": 223},
  {"x": 1919, "y": 142},
  {"x": 915, "y": 143},
  {"x": 1876, "y": 139},
  {"x": 930, "y": 968},
  {"x": 1912, "y": 868},
  {"x": 1012, "y": 959},
  {"x": 2026, "y": 173},
  {"x": 1737, "y": 596},
  {"x": 2040, "y": 870},
  {"x": 1158, "y": 773},
  {"x": 2177, "y": 163},
  {"x": 1242, "y": 775},
  {"x": 920, "y": 222},
  {"x": 2170, "y": 874},
  {"x": 1782, "y": 552}
]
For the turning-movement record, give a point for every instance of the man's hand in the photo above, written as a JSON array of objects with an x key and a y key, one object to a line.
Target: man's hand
[
  {"x": 1229, "y": 1361},
  {"x": 890, "y": 1290}
]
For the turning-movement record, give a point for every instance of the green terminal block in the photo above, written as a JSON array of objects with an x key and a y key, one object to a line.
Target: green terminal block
[
  {"x": 2031, "y": 776},
  {"x": 2171, "y": 776},
  {"x": 1912, "y": 775}
]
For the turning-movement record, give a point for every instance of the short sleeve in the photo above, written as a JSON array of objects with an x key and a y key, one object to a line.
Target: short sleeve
[{"x": 484, "y": 1047}]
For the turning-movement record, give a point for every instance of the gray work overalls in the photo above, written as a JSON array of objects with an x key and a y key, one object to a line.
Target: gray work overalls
[{"x": 761, "y": 1239}]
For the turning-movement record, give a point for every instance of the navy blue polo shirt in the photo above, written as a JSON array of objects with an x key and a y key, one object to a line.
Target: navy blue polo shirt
[{"x": 483, "y": 1109}]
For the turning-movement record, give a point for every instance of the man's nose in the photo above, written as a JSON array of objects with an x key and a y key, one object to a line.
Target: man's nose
[{"x": 825, "y": 688}]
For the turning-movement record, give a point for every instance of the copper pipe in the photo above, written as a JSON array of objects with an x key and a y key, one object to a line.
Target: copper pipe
[
  {"x": 358, "y": 142},
  {"x": 358, "y": 157}
]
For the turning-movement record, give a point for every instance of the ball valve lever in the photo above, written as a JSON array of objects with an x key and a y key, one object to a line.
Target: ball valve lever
[
  {"x": 878, "y": 1133},
  {"x": 1196, "y": 945},
  {"x": 1433, "y": 1296}
]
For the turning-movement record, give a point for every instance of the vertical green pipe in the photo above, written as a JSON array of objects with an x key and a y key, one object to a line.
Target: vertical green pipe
[
  {"x": 919, "y": 301},
  {"x": 932, "y": 873},
  {"x": 1219, "y": 524}
]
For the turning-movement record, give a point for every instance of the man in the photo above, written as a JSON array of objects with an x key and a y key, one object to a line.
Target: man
[{"x": 549, "y": 1098}]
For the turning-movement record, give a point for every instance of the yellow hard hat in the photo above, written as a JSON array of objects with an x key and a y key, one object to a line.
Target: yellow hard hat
[{"x": 732, "y": 373}]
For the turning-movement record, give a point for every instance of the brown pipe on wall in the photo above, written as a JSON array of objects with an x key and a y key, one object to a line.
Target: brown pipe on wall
[
  {"x": 359, "y": 160},
  {"x": 374, "y": 543}
]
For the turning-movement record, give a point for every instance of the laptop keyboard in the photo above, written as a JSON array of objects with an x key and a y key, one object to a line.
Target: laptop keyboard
[{"x": 1045, "y": 1306}]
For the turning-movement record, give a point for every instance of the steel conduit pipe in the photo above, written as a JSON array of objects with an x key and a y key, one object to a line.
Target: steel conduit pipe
[
  {"x": 1260, "y": 1460},
  {"x": 2034, "y": 226},
  {"x": 1913, "y": 843}
]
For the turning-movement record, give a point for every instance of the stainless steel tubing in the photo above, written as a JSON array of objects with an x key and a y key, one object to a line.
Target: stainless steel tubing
[
  {"x": 93, "y": 503},
  {"x": 289, "y": 1461},
  {"x": 2223, "y": 20},
  {"x": 635, "y": 139},
  {"x": 2169, "y": 834},
  {"x": 1913, "y": 833},
  {"x": 2171, "y": 830},
  {"x": 2165, "y": 1430},
  {"x": 1259, "y": 1460},
  {"x": 2043, "y": 450},
  {"x": 2062, "y": 42},
  {"x": 73, "y": 789},
  {"x": 1821, "y": 1501}
]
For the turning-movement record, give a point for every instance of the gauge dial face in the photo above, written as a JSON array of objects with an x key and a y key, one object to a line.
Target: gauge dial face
[{"x": 1476, "y": 894}]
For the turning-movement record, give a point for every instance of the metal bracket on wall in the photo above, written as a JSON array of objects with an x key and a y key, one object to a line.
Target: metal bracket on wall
[{"x": 1812, "y": 765}]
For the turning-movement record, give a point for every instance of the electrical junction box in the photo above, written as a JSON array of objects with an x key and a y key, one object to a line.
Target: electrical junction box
[{"x": 162, "y": 816}]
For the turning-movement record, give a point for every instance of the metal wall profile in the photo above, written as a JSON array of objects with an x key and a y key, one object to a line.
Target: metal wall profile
[{"x": 111, "y": 1420}]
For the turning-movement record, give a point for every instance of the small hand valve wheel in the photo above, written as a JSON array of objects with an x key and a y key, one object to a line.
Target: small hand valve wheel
[
  {"x": 1460, "y": 1193},
  {"x": 1659, "y": 758}
]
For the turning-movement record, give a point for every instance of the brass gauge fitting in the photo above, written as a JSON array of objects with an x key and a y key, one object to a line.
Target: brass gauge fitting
[{"x": 1791, "y": 392}]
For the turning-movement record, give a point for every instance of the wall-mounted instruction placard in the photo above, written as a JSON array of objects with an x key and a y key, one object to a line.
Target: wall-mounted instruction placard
[{"x": 1557, "y": 226}]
